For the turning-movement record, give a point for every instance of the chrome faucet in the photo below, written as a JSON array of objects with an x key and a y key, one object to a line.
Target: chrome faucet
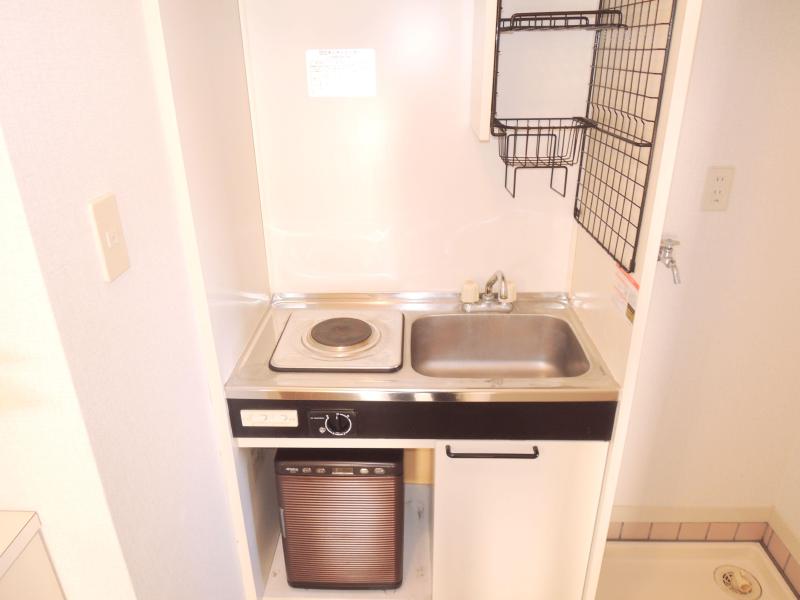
[
  {"x": 489, "y": 300},
  {"x": 489, "y": 294}
]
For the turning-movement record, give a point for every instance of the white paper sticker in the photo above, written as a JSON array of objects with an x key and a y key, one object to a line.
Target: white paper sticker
[{"x": 341, "y": 73}]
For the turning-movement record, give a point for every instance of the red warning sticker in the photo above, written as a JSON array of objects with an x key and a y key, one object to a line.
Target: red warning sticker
[{"x": 626, "y": 293}]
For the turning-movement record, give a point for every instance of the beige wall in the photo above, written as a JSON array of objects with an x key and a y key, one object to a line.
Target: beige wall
[
  {"x": 84, "y": 114},
  {"x": 46, "y": 461},
  {"x": 716, "y": 412}
]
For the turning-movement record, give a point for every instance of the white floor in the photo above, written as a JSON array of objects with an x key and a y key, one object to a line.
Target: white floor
[
  {"x": 683, "y": 571},
  {"x": 417, "y": 582}
]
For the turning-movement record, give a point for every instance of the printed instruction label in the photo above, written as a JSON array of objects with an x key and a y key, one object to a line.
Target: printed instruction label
[
  {"x": 341, "y": 73},
  {"x": 626, "y": 293}
]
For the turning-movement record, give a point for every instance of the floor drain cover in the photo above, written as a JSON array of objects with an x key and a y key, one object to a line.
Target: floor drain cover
[{"x": 738, "y": 582}]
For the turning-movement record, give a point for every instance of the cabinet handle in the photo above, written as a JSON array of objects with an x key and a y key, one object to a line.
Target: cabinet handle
[{"x": 451, "y": 454}]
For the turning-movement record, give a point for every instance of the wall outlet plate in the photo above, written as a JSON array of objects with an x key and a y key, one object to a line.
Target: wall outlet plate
[{"x": 719, "y": 182}]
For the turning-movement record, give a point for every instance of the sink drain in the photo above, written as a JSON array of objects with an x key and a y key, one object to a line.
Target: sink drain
[{"x": 738, "y": 582}]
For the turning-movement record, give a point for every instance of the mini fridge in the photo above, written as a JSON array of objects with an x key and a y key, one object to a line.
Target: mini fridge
[{"x": 341, "y": 514}]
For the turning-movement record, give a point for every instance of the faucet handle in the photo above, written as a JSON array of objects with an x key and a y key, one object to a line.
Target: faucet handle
[
  {"x": 511, "y": 292},
  {"x": 470, "y": 292}
]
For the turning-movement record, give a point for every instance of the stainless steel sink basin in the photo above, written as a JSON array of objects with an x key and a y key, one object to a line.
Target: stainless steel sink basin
[{"x": 496, "y": 345}]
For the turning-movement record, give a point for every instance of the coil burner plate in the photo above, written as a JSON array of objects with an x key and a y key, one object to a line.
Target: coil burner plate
[
  {"x": 326, "y": 340},
  {"x": 342, "y": 333},
  {"x": 341, "y": 337}
]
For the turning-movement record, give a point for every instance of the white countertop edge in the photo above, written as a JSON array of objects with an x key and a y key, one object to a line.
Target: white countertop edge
[
  {"x": 17, "y": 529},
  {"x": 333, "y": 443}
]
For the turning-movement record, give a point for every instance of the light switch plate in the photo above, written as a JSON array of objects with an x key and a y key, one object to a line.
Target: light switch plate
[
  {"x": 719, "y": 182},
  {"x": 109, "y": 237}
]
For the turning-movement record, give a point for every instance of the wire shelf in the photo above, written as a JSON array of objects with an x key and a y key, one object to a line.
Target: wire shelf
[
  {"x": 553, "y": 143},
  {"x": 567, "y": 19},
  {"x": 625, "y": 92},
  {"x": 613, "y": 142}
]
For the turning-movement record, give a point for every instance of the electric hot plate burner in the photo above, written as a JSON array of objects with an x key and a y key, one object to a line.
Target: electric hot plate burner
[
  {"x": 341, "y": 333},
  {"x": 315, "y": 340}
]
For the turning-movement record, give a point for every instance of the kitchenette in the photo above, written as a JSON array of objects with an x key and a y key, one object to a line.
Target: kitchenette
[
  {"x": 410, "y": 300},
  {"x": 508, "y": 397},
  {"x": 404, "y": 419}
]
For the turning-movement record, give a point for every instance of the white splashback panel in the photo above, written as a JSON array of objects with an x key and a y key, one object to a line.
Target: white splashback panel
[{"x": 394, "y": 192}]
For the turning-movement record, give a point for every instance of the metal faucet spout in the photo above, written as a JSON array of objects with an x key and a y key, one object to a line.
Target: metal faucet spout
[{"x": 498, "y": 276}]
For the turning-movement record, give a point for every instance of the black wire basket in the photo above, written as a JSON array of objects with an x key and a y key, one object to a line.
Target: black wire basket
[
  {"x": 565, "y": 19},
  {"x": 540, "y": 144}
]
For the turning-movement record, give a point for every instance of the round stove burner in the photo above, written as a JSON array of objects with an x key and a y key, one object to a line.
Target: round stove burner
[
  {"x": 341, "y": 332},
  {"x": 341, "y": 337}
]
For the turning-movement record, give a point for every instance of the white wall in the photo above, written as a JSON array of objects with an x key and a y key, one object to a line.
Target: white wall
[
  {"x": 209, "y": 87},
  {"x": 715, "y": 418},
  {"x": 594, "y": 273},
  {"x": 394, "y": 192},
  {"x": 787, "y": 503},
  {"x": 214, "y": 137},
  {"x": 46, "y": 462},
  {"x": 83, "y": 115}
]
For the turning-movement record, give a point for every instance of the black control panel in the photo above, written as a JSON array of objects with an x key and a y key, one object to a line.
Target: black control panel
[
  {"x": 332, "y": 423},
  {"x": 339, "y": 462},
  {"x": 429, "y": 420},
  {"x": 360, "y": 470}
]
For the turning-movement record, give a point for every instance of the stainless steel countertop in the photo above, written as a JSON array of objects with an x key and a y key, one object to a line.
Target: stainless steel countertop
[{"x": 253, "y": 379}]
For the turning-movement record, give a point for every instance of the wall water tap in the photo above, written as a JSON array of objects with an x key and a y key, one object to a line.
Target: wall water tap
[{"x": 667, "y": 256}]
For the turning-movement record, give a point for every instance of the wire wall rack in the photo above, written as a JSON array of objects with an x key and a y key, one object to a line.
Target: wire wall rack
[
  {"x": 612, "y": 143},
  {"x": 624, "y": 100}
]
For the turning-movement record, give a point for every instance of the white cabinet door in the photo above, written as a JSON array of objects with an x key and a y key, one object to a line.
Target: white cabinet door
[{"x": 514, "y": 520}]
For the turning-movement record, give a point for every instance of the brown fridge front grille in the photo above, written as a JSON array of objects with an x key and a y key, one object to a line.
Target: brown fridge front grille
[{"x": 342, "y": 532}]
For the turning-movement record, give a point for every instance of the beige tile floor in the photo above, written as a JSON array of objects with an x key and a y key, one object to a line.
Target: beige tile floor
[{"x": 682, "y": 571}]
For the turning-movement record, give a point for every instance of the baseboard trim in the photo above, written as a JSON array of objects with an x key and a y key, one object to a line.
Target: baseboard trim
[
  {"x": 708, "y": 514},
  {"x": 788, "y": 537}
]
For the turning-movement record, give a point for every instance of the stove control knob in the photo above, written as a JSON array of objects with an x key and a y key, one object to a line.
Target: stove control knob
[{"x": 338, "y": 424}]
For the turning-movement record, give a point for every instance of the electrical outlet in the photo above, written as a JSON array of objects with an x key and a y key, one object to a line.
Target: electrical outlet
[{"x": 719, "y": 182}]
